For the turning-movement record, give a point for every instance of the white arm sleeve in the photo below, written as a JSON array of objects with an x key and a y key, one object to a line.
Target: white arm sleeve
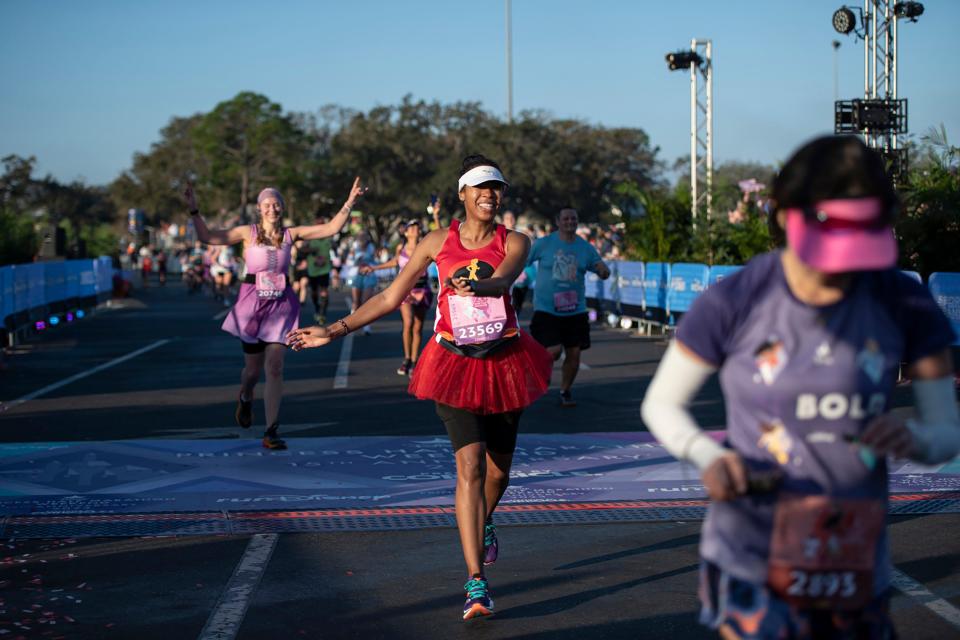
[
  {"x": 677, "y": 380},
  {"x": 936, "y": 434}
]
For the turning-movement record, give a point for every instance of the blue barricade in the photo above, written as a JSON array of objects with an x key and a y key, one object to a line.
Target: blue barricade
[
  {"x": 630, "y": 287},
  {"x": 687, "y": 281},
  {"x": 594, "y": 287},
  {"x": 720, "y": 271},
  {"x": 103, "y": 276},
  {"x": 945, "y": 288},
  {"x": 6, "y": 293},
  {"x": 31, "y": 291},
  {"x": 656, "y": 279}
]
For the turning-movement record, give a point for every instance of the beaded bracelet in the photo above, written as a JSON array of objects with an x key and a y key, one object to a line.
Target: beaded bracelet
[{"x": 343, "y": 324}]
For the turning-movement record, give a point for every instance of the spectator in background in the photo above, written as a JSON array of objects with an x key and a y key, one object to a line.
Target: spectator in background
[
  {"x": 146, "y": 264},
  {"x": 560, "y": 321},
  {"x": 162, "y": 266},
  {"x": 413, "y": 309},
  {"x": 319, "y": 268},
  {"x": 361, "y": 252}
]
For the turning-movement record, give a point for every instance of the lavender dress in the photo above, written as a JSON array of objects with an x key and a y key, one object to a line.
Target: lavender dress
[{"x": 268, "y": 319}]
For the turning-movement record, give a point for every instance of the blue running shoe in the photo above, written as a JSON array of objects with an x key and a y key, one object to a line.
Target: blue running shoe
[
  {"x": 491, "y": 545},
  {"x": 479, "y": 603}
]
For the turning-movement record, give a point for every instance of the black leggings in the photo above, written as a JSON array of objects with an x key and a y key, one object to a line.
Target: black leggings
[{"x": 497, "y": 430}]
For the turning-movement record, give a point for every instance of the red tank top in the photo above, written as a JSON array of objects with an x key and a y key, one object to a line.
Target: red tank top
[{"x": 455, "y": 260}]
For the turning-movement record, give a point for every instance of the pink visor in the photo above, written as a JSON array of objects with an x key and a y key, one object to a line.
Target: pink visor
[{"x": 843, "y": 235}]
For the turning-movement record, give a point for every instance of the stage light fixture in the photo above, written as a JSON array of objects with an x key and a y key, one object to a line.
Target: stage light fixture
[
  {"x": 70, "y": 316},
  {"x": 909, "y": 10},
  {"x": 683, "y": 59},
  {"x": 81, "y": 313},
  {"x": 40, "y": 325},
  {"x": 54, "y": 321},
  {"x": 844, "y": 21}
]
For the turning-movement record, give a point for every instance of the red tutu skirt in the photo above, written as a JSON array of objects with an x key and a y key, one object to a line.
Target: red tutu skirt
[{"x": 506, "y": 380}]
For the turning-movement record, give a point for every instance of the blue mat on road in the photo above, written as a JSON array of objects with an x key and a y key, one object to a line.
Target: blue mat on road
[{"x": 173, "y": 476}]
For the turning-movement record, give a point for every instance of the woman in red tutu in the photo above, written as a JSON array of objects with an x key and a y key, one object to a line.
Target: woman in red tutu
[{"x": 479, "y": 368}]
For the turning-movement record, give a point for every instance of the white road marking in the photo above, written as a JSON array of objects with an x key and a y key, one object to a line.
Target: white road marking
[
  {"x": 36, "y": 394},
  {"x": 913, "y": 589},
  {"x": 222, "y": 314},
  {"x": 343, "y": 367},
  {"x": 231, "y": 608}
]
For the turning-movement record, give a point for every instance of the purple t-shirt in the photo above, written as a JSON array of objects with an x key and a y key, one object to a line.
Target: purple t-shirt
[{"x": 800, "y": 383}]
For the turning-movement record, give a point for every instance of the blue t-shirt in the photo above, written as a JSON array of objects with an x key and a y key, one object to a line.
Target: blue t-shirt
[
  {"x": 800, "y": 384},
  {"x": 560, "y": 274}
]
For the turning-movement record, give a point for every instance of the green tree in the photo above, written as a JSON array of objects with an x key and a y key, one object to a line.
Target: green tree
[
  {"x": 248, "y": 143},
  {"x": 155, "y": 180},
  {"x": 18, "y": 240},
  {"x": 928, "y": 228},
  {"x": 662, "y": 232}
]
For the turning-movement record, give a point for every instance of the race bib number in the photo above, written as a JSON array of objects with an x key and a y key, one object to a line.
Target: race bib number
[
  {"x": 271, "y": 285},
  {"x": 565, "y": 301},
  {"x": 822, "y": 550},
  {"x": 476, "y": 319}
]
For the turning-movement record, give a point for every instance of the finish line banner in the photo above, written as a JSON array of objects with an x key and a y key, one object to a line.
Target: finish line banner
[{"x": 152, "y": 476}]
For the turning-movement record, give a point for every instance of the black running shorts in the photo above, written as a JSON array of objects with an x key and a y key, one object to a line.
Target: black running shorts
[
  {"x": 497, "y": 430},
  {"x": 254, "y": 348},
  {"x": 570, "y": 331},
  {"x": 320, "y": 282}
]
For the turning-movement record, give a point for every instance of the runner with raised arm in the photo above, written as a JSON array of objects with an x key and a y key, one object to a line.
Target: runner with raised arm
[
  {"x": 266, "y": 308},
  {"x": 479, "y": 368}
]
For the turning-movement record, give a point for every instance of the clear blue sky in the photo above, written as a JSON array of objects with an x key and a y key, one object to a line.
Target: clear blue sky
[{"x": 87, "y": 84}]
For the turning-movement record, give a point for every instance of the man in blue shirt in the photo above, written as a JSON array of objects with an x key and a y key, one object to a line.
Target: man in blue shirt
[{"x": 560, "y": 322}]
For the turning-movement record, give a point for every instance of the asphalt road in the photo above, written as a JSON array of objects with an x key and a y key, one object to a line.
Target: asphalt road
[{"x": 584, "y": 581}]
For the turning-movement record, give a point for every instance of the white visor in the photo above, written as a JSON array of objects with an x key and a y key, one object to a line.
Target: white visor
[{"x": 479, "y": 175}]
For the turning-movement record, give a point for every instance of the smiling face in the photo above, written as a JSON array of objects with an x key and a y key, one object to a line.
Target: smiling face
[
  {"x": 482, "y": 201},
  {"x": 271, "y": 209},
  {"x": 412, "y": 233},
  {"x": 567, "y": 221}
]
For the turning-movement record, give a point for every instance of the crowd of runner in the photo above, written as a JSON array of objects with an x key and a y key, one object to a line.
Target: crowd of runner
[{"x": 808, "y": 341}]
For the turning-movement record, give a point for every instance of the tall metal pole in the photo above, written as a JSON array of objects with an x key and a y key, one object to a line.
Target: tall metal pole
[
  {"x": 709, "y": 141},
  {"x": 701, "y": 130},
  {"x": 836, "y": 71},
  {"x": 694, "y": 161},
  {"x": 509, "y": 63},
  {"x": 892, "y": 57}
]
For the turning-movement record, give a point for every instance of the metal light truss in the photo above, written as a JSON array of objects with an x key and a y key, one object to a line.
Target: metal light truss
[
  {"x": 701, "y": 128},
  {"x": 880, "y": 66},
  {"x": 881, "y": 117}
]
